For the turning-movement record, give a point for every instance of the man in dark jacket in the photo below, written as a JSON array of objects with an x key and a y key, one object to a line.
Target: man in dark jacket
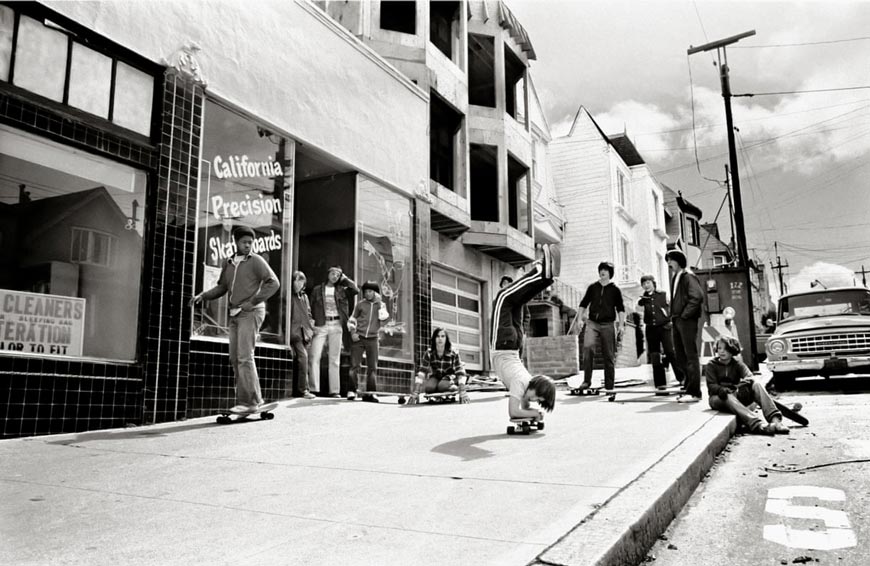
[
  {"x": 301, "y": 333},
  {"x": 687, "y": 296},
  {"x": 657, "y": 328},
  {"x": 600, "y": 309},
  {"x": 330, "y": 306}
]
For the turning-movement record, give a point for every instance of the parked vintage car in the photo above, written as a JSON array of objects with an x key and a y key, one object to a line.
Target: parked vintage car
[{"x": 820, "y": 332}]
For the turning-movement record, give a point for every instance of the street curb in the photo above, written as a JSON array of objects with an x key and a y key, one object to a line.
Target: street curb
[{"x": 616, "y": 534}]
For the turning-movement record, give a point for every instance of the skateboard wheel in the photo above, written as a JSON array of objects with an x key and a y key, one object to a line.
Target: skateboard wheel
[
  {"x": 510, "y": 430},
  {"x": 401, "y": 400},
  {"x": 266, "y": 416},
  {"x": 612, "y": 398},
  {"x": 797, "y": 407},
  {"x": 526, "y": 429},
  {"x": 224, "y": 420},
  {"x": 541, "y": 426}
]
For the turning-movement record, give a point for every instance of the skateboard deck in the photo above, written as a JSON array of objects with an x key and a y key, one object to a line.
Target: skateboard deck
[
  {"x": 264, "y": 410},
  {"x": 525, "y": 426},
  {"x": 792, "y": 413},
  {"x": 443, "y": 397},
  {"x": 666, "y": 392}
]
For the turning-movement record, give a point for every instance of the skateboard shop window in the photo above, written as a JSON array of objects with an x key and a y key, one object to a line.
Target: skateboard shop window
[
  {"x": 246, "y": 180},
  {"x": 384, "y": 255},
  {"x": 71, "y": 227}
]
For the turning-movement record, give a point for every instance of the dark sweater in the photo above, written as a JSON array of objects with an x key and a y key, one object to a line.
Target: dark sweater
[{"x": 603, "y": 302}]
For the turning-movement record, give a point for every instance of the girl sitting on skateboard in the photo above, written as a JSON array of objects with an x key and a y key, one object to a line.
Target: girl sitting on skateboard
[
  {"x": 444, "y": 368},
  {"x": 732, "y": 389}
]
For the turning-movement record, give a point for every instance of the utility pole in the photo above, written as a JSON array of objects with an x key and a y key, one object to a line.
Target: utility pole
[
  {"x": 730, "y": 205},
  {"x": 863, "y": 273},
  {"x": 779, "y": 267},
  {"x": 742, "y": 255}
]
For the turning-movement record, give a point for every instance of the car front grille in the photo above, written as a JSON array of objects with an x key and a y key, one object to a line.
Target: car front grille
[{"x": 854, "y": 342}]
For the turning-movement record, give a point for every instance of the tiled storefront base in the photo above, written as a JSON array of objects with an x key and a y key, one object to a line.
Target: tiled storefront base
[{"x": 47, "y": 396}]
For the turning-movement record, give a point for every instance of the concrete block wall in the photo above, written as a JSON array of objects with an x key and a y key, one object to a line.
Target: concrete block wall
[{"x": 556, "y": 356}]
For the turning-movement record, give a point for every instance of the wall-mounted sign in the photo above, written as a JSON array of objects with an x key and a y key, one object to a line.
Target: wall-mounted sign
[
  {"x": 223, "y": 208},
  {"x": 234, "y": 166},
  {"x": 41, "y": 324},
  {"x": 218, "y": 249}
]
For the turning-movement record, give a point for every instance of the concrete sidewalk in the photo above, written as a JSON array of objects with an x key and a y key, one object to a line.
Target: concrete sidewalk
[{"x": 337, "y": 482}]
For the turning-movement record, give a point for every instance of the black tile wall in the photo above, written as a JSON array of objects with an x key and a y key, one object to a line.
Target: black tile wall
[{"x": 422, "y": 279}]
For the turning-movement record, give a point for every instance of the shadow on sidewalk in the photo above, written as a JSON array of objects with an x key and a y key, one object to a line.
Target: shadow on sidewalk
[
  {"x": 132, "y": 434},
  {"x": 466, "y": 448}
]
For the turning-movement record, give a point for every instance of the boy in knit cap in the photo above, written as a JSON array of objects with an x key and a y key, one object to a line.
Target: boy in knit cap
[{"x": 364, "y": 326}]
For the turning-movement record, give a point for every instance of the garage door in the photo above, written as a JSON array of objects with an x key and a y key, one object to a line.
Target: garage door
[{"x": 456, "y": 307}]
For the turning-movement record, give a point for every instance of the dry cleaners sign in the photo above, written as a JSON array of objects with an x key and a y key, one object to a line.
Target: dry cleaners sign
[{"x": 41, "y": 324}]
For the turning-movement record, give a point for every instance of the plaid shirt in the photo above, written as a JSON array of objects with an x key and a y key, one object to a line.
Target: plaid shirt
[{"x": 448, "y": 365}]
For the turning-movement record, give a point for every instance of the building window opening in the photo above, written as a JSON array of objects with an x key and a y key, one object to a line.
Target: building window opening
[
  {"x": 443, "y": 26},
  {"x": 515, "y": 85},
  {"x": 693, "y": 229},
  {"x": 247, "y": 176},
  {"x": 484, "y": 182},
  {"x": 444, "y": 124},
  {"x": 71, "y": 232},
  {"x": 623, "y": 259},
  {"x": 518, "y": 195},
  {"x": 481, "y": 70},
  {"x": 621, "y": 196},
  {"x": 400, "y": 16},
  {"x": 43, "y": 57}
]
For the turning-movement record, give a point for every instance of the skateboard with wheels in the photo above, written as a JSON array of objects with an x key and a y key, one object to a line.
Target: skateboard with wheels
[
  {"x": 525, "y": 426},
  {"x": 792, "y": 413},
  {"x": 576, "y": 387},
  {"x": 666, "y": 392},
  {"x": 443, "y": 397},
  {"x": 264, "y": 410}
]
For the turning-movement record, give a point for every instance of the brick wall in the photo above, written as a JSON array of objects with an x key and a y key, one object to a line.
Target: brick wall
[{"x": 556, "y": 356}]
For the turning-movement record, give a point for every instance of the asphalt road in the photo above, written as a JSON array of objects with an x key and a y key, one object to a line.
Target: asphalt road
[{"x": 796, "y": 499}]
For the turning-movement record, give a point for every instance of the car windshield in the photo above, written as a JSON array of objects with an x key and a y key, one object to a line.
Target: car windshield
[{"x": 847, "y": 301}]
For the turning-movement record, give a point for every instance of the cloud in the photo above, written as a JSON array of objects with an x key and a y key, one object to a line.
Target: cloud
[{"x": 829, "y": 274}]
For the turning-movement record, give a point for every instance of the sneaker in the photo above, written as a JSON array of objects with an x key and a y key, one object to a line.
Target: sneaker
[
  {"x": 452, "y": 389},
  {"x": 763, "y": 430},
  {"x": 335, "y": 395},
  {"x": 241, "y": 409},
  {"x": 777, "y": 427},
  {"x": 688, "y": 399},
  {"x": 551, "y": 260},
  {"x": 368, "y": 398},
  {"x": 309, "y": 395},
  {"x": 351, "y": 395}
]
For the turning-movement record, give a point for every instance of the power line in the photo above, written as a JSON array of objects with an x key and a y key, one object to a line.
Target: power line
[
  {"x": 802, "y": 91},
  {"x": 801, "y": 44}
]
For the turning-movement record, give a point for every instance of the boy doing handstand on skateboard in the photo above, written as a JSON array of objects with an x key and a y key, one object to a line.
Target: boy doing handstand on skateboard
[{"x": 507, "y": 338}]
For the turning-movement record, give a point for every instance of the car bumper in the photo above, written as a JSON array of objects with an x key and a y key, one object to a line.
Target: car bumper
[{"x": 818, "y": 364}]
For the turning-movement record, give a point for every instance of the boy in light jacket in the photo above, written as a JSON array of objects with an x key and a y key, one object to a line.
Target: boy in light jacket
[{"x": 364, "y": 325}]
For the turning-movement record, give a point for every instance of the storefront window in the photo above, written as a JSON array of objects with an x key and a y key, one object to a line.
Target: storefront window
[
  {"x": 247, "y": 176},
  {"x": 385, "y": 255},
  {"x": 71, "y": 248}
]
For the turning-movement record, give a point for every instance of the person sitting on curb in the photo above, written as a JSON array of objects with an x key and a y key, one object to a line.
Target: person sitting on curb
[
  {"x": 732, "y": 389},
  {"x": 364, "y": 326},
  {"x": 506, "y": 329},
  {"x": 444, "y": 368}
]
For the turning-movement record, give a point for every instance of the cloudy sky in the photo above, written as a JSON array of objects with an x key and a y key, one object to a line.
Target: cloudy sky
[{"x": 804, "y": 158}]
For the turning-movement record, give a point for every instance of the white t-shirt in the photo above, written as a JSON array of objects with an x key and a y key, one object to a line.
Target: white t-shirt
[
  {"x": 329, "y": 301},
  {"x": 518, "y": 386}
]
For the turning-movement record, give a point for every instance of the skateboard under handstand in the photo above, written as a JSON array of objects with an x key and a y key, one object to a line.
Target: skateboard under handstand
[
  {"x": 443, "y": 397},
  {"x": 525, "y": 426},
  {"x": 264, "y": 410}
]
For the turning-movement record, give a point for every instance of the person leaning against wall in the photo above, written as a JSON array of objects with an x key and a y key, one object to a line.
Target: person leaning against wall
[
  {"x": 249, "y": 281},
  {"x": 330, "y": 306},
  {"x": 301, "y": 334}
]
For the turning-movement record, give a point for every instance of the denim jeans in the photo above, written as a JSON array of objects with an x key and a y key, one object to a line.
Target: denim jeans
[
  {"x": 300, "y": 352},
  {"x": 243, "y": 329},
  {"x": 660, "y": 349},
  {"x": 686, "y": 360},
  {"x": 738, "y": 404},
  {"x": 329, "y": 334},
  {"x": 369, "y": 347},
  {"x": 604, "y": 334}
]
